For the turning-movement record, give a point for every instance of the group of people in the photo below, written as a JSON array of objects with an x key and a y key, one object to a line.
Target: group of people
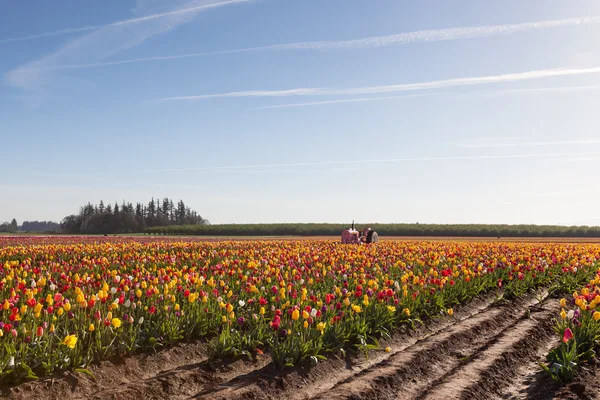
[{"x": 368, "y": 236}]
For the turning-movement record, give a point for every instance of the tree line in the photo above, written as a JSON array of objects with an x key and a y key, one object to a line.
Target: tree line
[
  {"x": 29, "y": 226},
  {"x": 40, "y": 226},
  {"x": 9, "y": 227},
  {"x": 447, "y": 230},
  {"x": 127, "y": 218}
]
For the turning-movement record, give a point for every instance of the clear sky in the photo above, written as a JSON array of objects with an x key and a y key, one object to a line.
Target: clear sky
[{"x": 303, "y": 111}]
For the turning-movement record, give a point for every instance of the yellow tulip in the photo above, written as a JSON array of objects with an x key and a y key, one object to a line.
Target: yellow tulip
[
  {"x": 321, "y": 327},
  {"x": 295, "y": 315},
  {"x": 70, "y": 341},
  {"x": 563, "y": 302}
]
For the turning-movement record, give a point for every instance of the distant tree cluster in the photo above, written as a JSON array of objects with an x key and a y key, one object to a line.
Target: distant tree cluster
[
  {"x": 40, "y": 226},
  {"x": 127, "y": 218},
  {"x": 10, "y": 227}
]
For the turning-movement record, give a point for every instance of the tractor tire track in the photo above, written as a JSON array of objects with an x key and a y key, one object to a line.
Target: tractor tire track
[
  {"x": 412, "y": 373},
  {"x": 497, "y": 365},
  {"x": 484, "y": 320}
]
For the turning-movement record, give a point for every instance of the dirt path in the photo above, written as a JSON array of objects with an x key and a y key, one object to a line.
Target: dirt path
[{"x": 475, "y": 354}]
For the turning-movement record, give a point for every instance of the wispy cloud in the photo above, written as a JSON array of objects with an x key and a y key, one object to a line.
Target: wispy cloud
[
  {"x": 369, "y": 90},
  {"x": 387, "y": 160},
  {"x": 499, "y": 143},
  {"x": 430, "y": 35},
  {"x": 107, "y": 41}
]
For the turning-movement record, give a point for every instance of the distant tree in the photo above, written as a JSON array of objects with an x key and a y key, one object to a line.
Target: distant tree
[
  {"x": 125, "y": 218},
  {"x": 13, "y": 225},
  {"x": 71, "y": 224}
]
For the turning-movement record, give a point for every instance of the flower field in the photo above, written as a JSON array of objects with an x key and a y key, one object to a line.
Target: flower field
[{"x": 69, "y": 303}]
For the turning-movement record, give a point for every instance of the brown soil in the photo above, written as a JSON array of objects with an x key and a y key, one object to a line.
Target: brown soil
[{"x": 488, "y": 350}]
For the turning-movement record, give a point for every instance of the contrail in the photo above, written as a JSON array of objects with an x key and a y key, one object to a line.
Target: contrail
[
  {"x": 54, "y": 33},
  {"x": 122, "y": 22},
  {"x": 430, "y": 35},
  {"x": 317, "y": 103},
  {"x": 588, "y": 88},
  {"x": 514, "y": 77},
  {"x": 527, "y": 144},
  {"x": 387, "y": 160},
  {"x": 99, "y": 45}
]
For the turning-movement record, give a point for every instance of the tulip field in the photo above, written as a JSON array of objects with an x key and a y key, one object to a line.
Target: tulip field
[{"x": 144, "y": 317}]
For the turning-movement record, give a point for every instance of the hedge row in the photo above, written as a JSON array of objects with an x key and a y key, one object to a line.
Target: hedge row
[{"x": 290, "y": 229}]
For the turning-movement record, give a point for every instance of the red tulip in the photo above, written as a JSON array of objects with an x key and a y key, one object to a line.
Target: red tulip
[{"x": 568, "y": 335}]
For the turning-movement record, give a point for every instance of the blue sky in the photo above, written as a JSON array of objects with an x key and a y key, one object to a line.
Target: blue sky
[{"x": 303, "y": 111}]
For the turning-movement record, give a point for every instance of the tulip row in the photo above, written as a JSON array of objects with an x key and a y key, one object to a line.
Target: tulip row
[
  {"x": 66, "y": 306},
  {"x": 579, "y": 329}
]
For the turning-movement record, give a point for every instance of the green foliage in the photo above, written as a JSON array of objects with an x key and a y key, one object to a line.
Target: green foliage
[
  {"x": 316, "y": 229},
  {"x": 564, "y": 360}
]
